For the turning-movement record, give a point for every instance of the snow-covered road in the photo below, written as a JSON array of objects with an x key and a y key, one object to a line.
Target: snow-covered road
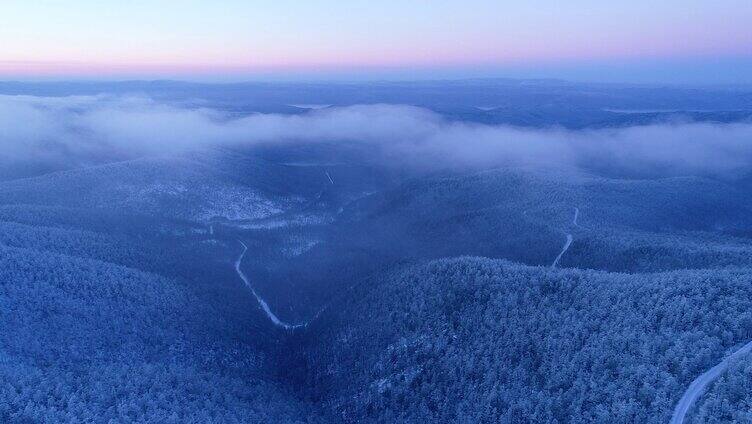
[
  {"x": 697, "y": 387},
  {"x": 568, "y": 242},
  {"x": 563, "y": 250},
  {"x": 274, "y": 319}
]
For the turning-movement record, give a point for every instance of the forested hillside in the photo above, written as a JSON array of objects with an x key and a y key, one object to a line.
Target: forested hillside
[
  {"x": 114, "y": 314},
  {"x": 84, "y": 340},
  {"x": 521, "y": 214},
  {"x": 403, "y": 325},
  {"x": 480, "y": 340}
]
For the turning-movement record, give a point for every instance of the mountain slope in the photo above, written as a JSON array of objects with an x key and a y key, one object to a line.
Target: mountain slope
[{"x": 479, "y": 340}]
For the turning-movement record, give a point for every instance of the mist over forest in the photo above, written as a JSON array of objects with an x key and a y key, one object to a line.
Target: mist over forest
[
  {"x": 487, "y": 250},
  {"x": 68, "y": 127}
]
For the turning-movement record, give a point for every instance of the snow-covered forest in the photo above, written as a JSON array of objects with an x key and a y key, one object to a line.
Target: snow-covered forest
[{"x": 213, "y": 253}]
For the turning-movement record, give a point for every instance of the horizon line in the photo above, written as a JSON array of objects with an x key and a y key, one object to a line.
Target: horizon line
[{"x": 365, "y": 81}]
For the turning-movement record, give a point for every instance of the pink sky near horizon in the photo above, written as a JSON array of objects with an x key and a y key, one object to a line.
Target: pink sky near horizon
[{"x": 89, "y": 38}]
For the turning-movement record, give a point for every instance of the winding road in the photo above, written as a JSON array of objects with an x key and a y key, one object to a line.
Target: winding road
[
  {"x": 563, "y": 250},
  {"x": 569, "y": 239},
  {"x": 272, "y": 317},
  {"x": 697, "y": 387}
]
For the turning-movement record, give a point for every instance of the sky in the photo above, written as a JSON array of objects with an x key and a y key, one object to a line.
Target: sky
[{"x": 697, "y": 41}]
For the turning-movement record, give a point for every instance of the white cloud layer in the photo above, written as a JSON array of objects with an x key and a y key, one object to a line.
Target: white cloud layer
[{"x": 35, "y": 127}]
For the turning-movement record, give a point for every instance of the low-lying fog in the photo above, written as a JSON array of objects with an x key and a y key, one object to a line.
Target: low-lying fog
[{"x": 68, "y": 127}]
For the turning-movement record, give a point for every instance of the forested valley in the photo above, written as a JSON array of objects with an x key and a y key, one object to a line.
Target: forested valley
[{"x": 323, "y": 275}]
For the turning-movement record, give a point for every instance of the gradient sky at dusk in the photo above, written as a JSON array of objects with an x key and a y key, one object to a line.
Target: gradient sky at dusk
[{"x": 632, "y": 41}]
